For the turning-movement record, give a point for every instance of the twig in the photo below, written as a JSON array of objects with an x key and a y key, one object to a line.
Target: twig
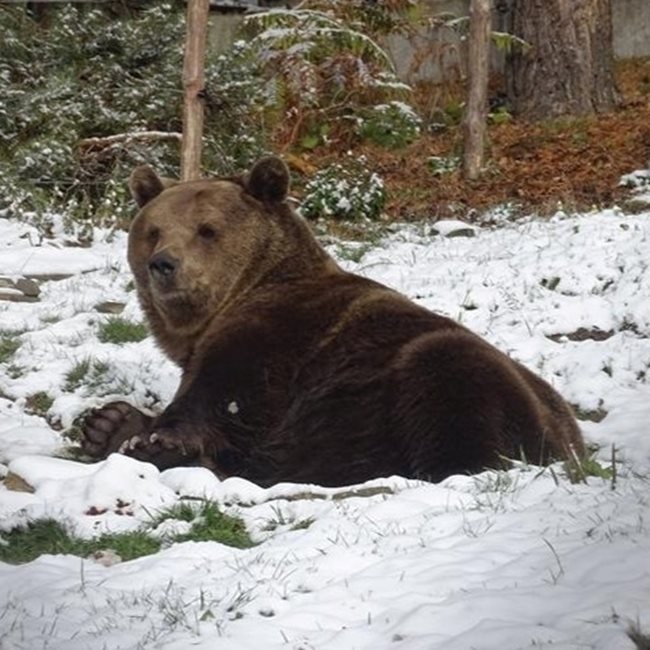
[
  {"x": 130, "y": 137},
  {"x": 614, "y": 470}
]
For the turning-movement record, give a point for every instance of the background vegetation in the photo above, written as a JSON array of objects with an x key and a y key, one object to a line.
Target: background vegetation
[{"x": 311, "y": 84}]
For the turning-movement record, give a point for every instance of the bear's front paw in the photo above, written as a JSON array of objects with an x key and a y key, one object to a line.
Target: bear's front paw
[
  {"x": 164, "y": 448},
  {"x": 106, "y": 429}
]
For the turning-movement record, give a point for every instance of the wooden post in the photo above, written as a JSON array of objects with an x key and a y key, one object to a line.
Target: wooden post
[
  {"x": 474, "y": 125},
  {"x": 193, "y": 86}
]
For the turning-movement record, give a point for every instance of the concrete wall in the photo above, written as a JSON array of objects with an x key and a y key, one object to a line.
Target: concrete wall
[
  {"x": 444, "y": 60},
  {"x": 631, "y": 28}
]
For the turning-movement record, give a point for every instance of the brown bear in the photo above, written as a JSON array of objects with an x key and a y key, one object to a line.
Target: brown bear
[{"x": 295, "y": 370}]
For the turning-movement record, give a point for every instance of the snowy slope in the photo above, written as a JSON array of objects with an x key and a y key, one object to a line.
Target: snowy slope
[{"x": 508, "y": 560}]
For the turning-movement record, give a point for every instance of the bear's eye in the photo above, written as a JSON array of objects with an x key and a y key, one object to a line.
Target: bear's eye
[
  {"x": 153, "y": 234},
  {"x": 207, "y": 232}
]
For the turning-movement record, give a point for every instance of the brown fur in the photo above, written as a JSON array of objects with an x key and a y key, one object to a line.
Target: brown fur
[{"x": 294, "y": 370}]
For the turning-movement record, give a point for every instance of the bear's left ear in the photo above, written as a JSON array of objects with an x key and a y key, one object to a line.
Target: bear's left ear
[
  {"x": 268, "y": 180},
  {"x": 146, "y": 185}
]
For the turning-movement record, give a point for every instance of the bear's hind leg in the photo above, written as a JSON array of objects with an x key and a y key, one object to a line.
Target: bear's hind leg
[{"x": 462, "y": 407}]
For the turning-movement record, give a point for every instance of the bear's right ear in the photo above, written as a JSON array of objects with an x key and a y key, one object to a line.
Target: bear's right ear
[{"x": 146, "y": 185}]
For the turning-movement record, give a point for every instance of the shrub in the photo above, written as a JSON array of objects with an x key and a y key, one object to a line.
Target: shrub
[
  {"x": 440, "y": 165},
  {"x": 88, "y": 72},
  {"x": 347, "y": 190},
  {"x": 391, "y": 125},
  {"x": 95, "y": 71},
  {"x": 238, "y": 110},
  {"x": 322, "y": 66}
]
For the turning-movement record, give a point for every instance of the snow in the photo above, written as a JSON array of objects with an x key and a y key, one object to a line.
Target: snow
[{"x": 516, "y": 559}]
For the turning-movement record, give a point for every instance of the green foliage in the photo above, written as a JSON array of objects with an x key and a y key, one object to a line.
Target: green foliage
[
  {"x": 303, "y": 77},
  {"x": 208, "y": 524},
  {"x": 88, "y": 73},
  {"x": 76, "y": 375},
  {"x": 14, "y": 371},
  {"x": 393, "y": 125},
  {"x": 120, "y": 330},
  {"x": 500, "y": 116},
  {"x": 347, "y": 190},
  {"x": 322, "y": 66},
  {"x": 9, "y": 344},
  {"x": 50, "y": 536},
  {"x": 578, "y": 469},
  {"x": 505, "y": 42},
  {"x": 453, "y": 113},
  {"x": 38, "y": 403},
  {"x": 92, "y": 72},
  {"x": 181, "y": 511},
  {"x": 374, "y": 18},
  {"x": 239, "y": 110},
  {"x": 353, "y": 251},
  {"x": 96, "y": 377},
  {"x": 440, "y": 165}
]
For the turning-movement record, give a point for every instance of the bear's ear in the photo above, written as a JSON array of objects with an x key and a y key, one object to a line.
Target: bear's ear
[
  {"x": 145, "y": 185},
  {"x": 268, "y": 180}
]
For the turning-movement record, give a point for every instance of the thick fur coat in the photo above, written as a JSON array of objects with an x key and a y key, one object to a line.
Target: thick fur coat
[{"x": 295, "y": 370}]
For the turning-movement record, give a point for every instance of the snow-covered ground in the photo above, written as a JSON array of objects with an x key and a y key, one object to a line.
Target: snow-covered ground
[{"x": 507, "y": 560}]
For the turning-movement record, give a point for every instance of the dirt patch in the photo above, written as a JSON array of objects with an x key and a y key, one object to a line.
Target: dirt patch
[{"x": 583, "y": 334}]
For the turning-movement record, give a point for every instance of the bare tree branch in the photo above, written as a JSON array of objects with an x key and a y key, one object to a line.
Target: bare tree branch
[{"x": 126, "y": 138}]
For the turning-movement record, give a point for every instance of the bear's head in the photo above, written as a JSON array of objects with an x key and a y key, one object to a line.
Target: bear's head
[{"x": 196, "y": 247}]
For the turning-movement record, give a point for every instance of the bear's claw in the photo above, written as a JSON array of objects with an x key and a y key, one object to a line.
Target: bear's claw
[{"x": 144, "y": 448}]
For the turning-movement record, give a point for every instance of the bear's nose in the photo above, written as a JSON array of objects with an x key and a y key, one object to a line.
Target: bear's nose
[{"x": 163, "y": 265}]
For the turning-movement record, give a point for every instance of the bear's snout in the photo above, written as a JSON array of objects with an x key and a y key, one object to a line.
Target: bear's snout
[{"x": 162, "y": 268}]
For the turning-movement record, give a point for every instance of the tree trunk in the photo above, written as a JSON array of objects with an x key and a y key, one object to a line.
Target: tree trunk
[
  {"x": 568, "y": 68},
  {"x": 193, "y": 85},
  {"x": 474, "y": 125}
]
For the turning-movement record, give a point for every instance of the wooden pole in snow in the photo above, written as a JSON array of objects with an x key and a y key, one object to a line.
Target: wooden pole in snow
[
  {"x": 474, "y": 126},
  {"x": 193, "y": 87}
]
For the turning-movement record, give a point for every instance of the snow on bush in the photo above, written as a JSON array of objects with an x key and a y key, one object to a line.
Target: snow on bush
[{"x": 347, "y": 191}]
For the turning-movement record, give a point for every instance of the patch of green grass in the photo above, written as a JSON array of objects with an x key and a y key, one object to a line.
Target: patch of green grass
[
  {"x": 98, "y": 374},
  {"x": 208, "y": 524},
  {"x": 279, "y": 519},
  {"x": 9, "y": 343},
  {"x": 578, "y": 469},
  {"x": 352, "y": 253},
  {"x": 97, "y": 377},
  {"x": 50, "y": 319},
  {"x": 47, "y": 536},
  {"x": 181, "y": 511},
  {"x": 38, "y": 403},
  {"x": 14, "y": 371},
  {"x": 121, "y": 330},
  {"x": 75, "y": 376}
]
